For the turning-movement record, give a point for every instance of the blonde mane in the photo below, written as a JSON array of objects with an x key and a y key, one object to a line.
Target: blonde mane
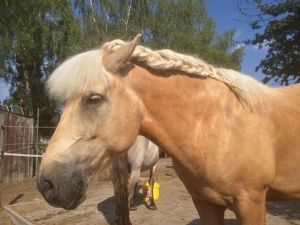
[
  {"x": 247, "y": 89},
  {"x": 77, "y": 75},
  {"x": 81, "y": 72}
]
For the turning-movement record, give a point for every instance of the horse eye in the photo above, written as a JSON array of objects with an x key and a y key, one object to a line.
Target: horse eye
[{"x": 94, "y": 98}]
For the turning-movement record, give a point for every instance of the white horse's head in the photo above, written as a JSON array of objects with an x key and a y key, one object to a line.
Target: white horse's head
[{"x": 101, "y": 118}]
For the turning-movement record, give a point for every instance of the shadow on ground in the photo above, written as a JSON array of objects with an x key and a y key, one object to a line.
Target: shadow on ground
[
  {"x": 289, "y": 211},
  {"x": 16, "y": 199},
  {"x": 140, "y": 200},
  {"x": 108, "y": 207},
  {"x": 227, "y": 222},
  {"x": 286, "y": 210}
]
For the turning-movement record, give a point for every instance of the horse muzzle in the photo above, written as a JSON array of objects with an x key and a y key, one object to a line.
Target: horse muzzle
[{"x": 62, "y": 191}]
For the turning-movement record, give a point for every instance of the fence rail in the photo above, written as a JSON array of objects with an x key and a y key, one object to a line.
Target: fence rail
[{"x": 22, "y": 155}]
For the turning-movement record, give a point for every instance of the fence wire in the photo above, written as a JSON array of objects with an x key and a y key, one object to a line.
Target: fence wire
[{"x": 22, "y": 151}]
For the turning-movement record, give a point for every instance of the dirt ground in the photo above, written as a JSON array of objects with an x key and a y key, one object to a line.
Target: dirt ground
[{"x": 174, "y": 206}]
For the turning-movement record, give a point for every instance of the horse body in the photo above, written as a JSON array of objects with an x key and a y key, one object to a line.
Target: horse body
[
  {"x": 250, "y": 151},
  {"x": 233, "y": 141},
  {"x": 254, "y": 139},
  {"x": 286, "y": 120},
  {"x": 198, "y": 159},
  {"x": 142, "y": 155}
]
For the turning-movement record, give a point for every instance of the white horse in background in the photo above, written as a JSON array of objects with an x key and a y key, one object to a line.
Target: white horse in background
[{"x": 142, "y": 155}]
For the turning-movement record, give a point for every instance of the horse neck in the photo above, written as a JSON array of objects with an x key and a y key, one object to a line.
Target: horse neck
[{"x": 177, "y": 107}]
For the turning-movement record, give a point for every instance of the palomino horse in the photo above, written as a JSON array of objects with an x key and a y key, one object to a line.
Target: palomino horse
[
  {"x": 142, "y": 155},
  {"x": 234, "y": 141}
]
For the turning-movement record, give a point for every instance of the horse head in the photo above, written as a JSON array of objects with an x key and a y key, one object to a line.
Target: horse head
[{"x": 100, "y": 119}]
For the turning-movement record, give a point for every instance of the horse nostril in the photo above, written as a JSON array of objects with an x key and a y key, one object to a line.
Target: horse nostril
[
  {"x": 45, "y": 186},
  {"x": 48, "y": 185}
]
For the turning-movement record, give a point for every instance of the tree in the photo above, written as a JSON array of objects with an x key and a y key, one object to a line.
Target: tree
[
  {"x": 34, "y": 36},
  {"x": 181, "y": 25},
  {"x": 277, "y": 25}
]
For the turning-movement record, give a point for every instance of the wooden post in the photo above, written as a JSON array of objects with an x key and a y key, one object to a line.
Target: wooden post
[
  {"x": 120, "y": 181},
  {"x": 36, "y": 144},
  {"x": 1, "y": 165}
]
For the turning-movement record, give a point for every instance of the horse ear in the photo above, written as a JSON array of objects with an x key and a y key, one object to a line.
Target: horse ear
[{"x": 116, "y": 60}]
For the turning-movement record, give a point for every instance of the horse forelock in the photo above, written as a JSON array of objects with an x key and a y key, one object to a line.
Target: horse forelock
[{"x": 78, "y": 75}]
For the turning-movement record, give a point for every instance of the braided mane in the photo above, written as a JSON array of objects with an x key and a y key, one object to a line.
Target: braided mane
[
  {"x": 247, "y": 89},
  {"x": 166, "y": 60},
  {"x": 80, "y": 73}
]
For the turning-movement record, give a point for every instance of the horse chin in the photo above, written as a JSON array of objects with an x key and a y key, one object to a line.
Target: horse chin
[
  {"x": 78, "y": 197},
  {"x": 75, "y": 202}
]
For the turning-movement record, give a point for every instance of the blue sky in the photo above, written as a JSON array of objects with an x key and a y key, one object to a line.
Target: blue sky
[
  {"x": 3, "y": 90},
  {"x": 226, "y": 16}
]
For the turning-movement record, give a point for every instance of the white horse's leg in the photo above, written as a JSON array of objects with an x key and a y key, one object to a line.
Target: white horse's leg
[
  {"x": 150, "y": 190},
  {"x": 132, "y": 183}
]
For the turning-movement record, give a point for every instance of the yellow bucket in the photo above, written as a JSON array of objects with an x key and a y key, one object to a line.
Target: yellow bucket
[{"x": 156, "y": 188}]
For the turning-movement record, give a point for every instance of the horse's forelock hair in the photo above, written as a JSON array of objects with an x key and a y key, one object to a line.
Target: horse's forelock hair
[
  {"x": 248, "y": 90},
  {"x": 77, "y": 75}
]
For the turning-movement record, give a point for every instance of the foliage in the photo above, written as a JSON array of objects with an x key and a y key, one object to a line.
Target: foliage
[
  {"x": 277, "y": 25},
  {"x": 180, "y": 25},
  {"x": 34, "y": 36}
]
